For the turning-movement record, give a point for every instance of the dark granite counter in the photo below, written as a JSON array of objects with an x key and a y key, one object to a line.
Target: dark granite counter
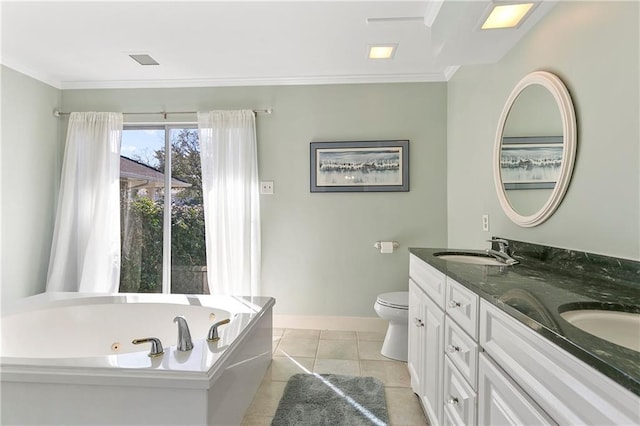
[{"x": 548, "y": 281}]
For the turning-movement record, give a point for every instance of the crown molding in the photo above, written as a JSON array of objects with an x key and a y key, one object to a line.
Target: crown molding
[
  {"x": 229, "y": 81},
  {"x": 255, "y": 81},
  {"x": 450, "y": 71},
  {"x": 19, "y": 67},
  {"x": 432, "y": 11}
]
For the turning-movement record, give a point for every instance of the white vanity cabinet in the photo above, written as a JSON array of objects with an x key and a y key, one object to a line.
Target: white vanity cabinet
[
  {"x": 461, "y": 354},
  {"x": 567, "y": 389},
  {"x": 472, "y": 363},
  {"x": 502, "y": 402},
  {"x": 426, "y": 336},
  {"x": 443, "y": 348}
]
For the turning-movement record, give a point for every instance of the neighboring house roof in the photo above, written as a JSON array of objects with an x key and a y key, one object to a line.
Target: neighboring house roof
[{"x": 142, "y": 175}]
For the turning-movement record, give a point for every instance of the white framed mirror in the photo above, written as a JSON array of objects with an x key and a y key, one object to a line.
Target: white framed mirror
[{"x": 535, "y": 149}]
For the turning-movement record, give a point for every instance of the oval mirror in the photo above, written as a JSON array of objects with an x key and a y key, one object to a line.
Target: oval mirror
[{"x": 535, "y": 148}]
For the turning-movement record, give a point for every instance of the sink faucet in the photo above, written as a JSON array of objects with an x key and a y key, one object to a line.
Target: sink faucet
[
  {"x": 503, "y": 253},
  {"x": 503, "y": 245},
  {"x": 184, "y": 336}
]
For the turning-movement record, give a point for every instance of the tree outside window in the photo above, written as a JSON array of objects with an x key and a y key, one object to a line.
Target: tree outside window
[{"x": 143, "y": 194}]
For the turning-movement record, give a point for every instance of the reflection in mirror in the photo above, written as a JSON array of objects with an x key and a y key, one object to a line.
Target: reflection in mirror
[
  {"x": 531, "y": 149},
  {"x": 534, "y": 149}
]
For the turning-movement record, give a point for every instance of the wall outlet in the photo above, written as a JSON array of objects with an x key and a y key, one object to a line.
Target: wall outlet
[
  {"x": 485, "y": 222},
  {"x": 266, "y": 187}
]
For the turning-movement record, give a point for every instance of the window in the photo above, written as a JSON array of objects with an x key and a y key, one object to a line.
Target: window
[{"x": 162, "y": 231}]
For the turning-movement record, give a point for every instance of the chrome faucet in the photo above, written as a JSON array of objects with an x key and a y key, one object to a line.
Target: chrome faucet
[
  {"x": 213, "y": 331},
  {"x": 503, "y": 254},
  {"x": 156, "y": 345},
  {"x": 503, "y": 245},
  {"x": 184, "y": 336}
]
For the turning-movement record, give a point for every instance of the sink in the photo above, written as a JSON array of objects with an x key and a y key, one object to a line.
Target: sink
[
  {"x": 475, "y": 258},
  {"x": 621, "y": 328}
]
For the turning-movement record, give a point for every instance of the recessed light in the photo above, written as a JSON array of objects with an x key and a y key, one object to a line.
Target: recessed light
[
  {"x": 144, "y": 59},
  {"x": 506, "y": 15},
  {"x": 382, "y": 51}
]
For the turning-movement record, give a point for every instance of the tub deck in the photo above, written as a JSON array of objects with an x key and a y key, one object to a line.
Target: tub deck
[{"x": 212, "y": 384}]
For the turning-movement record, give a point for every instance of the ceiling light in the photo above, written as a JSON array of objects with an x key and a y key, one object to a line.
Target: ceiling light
[
  {"x": 144, "y": 59},
  {"x": 506, "y": 15},
  {"x": 382, "y": 51}
]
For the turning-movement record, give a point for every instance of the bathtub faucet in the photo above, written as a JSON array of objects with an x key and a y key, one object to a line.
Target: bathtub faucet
[
  {"x": 156, "y": 345},
  {"x": 213, "y": 331},
  {"x": 184, "y": 337}
]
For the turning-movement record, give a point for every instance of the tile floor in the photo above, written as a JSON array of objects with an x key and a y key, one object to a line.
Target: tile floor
[{"x": 338, "y": 352}]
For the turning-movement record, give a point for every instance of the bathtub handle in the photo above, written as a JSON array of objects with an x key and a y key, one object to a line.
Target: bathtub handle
[
  {"x": 156, "y": 345},
  {"x": 213, "y": 331}
]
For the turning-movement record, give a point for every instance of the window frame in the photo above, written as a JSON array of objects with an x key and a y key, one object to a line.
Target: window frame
[{"x": 166, "y": 213}]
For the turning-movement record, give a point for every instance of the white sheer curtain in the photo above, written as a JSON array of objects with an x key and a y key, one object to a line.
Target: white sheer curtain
[
  {"x": 85, "y": 253},
  {"x": 231, "y": 201}
]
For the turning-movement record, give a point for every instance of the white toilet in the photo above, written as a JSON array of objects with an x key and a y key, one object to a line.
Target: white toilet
[{"x": 394, "y": 307}]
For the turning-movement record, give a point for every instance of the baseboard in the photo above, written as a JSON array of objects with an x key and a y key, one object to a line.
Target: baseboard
[{"x": 310, "y": 322}]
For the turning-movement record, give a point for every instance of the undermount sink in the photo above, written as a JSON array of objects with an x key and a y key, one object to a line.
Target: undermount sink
[
  {"x": 621, "y": 328},
  {"x": 469, "y": 257}
]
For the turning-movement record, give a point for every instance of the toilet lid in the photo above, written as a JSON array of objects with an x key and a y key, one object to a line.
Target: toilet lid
[{"x": 396, "y": 299}]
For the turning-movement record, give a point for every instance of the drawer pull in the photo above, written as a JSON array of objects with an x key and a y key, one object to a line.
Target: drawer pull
[
  {"x": 452, "y": 400},
  {"x": 419, "y": 322},
  {"x": 454, "y": 304},
  {"x": 453, "y": 349}
]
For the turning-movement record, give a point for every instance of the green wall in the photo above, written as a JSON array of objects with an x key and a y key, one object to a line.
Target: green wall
[
  {"x": 594, "y": 48},
  {"x": 30, "y": 168},
  {"x": 318, "y": 255},
  {"x": 317, "y": 249}
]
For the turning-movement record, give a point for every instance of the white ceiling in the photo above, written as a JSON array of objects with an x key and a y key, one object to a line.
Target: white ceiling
[{"x": 215, "y": 43}]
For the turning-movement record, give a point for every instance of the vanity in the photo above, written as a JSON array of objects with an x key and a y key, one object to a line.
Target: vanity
[{"x": 496, "y": 344}]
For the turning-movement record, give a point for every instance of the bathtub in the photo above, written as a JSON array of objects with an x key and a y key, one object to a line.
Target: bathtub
[{"x": 68, "y": 358}]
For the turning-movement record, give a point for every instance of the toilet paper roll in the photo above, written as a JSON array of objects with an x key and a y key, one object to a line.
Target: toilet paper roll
[{"x": 386, "y": 247}]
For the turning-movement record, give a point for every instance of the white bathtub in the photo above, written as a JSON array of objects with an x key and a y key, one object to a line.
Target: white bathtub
[{"x": 67, "y": 358}]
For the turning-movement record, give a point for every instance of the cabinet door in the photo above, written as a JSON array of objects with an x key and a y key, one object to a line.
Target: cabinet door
[
  {"x": 502, "y": 402},
  {"x": 433, "y": 350},
  {"x": 416, "y": 337},
  {"x": 566, "y": 388},
  {"x": 429, "y": 279}
]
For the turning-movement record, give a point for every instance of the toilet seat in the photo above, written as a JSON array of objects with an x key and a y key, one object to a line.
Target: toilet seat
[{"x": 396, "y": 300}]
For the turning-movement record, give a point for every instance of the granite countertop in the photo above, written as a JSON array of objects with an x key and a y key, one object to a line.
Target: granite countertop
[{"x": 548, "y": 281}]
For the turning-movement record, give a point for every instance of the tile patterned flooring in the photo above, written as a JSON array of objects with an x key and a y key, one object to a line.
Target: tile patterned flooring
[{"x": 338, "y": 352}]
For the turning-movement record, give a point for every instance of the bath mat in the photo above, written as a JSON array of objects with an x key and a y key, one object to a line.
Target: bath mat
[{"x": 331, "y": 399}]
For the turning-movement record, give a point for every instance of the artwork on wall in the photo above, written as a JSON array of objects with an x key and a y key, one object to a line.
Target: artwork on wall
[
  {"x": 531, "y": 162},
  {"x": 361, "y": 166}
]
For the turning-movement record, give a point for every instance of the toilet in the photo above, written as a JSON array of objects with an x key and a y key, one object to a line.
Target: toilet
[{"x": 394, "y": 307}]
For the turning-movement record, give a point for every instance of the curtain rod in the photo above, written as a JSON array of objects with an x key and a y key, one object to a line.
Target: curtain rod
[{"x": 267, "y": 111}]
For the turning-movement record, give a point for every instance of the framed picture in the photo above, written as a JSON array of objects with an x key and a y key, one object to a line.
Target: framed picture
[
  {"x": 364, "y": 166},
  {"x": 531, "y": 162}
]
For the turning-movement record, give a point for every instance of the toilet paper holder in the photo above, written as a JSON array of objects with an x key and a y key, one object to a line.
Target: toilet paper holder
[{"x": 378, "y": 244}]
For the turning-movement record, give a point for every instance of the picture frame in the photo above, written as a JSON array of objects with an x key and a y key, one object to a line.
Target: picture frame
[
  {"x": 360, "y": 166},
  {"x": 531, "y": 162}
]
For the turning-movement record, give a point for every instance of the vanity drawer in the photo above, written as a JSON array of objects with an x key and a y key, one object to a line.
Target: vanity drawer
[
  {"x": 462, "y": 351},
  {"x": 430, "y": 280},
  {"x": 459, "y": 398},
  {"x": 461, "y": 304}
]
